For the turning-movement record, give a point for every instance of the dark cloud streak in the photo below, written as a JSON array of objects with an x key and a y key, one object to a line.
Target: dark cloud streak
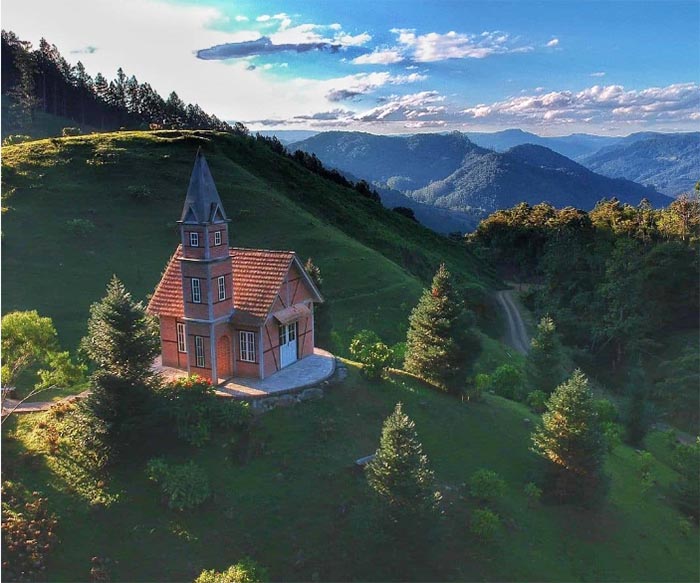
[{"x": 261, "y": 46}]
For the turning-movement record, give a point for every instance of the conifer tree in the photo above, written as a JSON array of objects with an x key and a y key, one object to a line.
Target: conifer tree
[
  {"x": 440, "y": 343},
  {"x": 122, "y": 341},
  {"x": 399, "y": 475},
  {"x": 544, "y": 367},
  {"x": 571, "y": 441},
  {"x": 638, "y": 413}
]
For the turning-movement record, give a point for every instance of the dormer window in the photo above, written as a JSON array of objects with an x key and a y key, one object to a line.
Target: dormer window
[
  {"x": 194, "y": 239},
  {"x": 217, "y": 237}
]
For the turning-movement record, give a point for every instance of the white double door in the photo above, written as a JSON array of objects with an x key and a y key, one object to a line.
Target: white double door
[{"x": 288, "y": 344}]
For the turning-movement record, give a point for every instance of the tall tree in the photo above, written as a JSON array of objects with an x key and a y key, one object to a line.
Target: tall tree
[
  {"x": 544, "y": 361},
  {"x": 638, "y": 414},
  {"x": 400, "y": 477},
  {"x": 440, "y": 343},
  {"x": 122, "y": 341},
  {"x": 571, "y": 441}
]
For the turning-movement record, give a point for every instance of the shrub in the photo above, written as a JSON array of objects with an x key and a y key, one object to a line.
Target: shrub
[
  {"x": 537, "y": 400},
  {"x": 476, "y": 387},
  {"x": 484, "y": 524},
  {"x": 245, "y": 571},
  {"x": 190, "y": 403},
  {"x": 486, "y": 486},
  {"x": 80, "y": 227},
  {"x": 398, "y": 351},
  {"x": 686, "y": 460},
  {"x": 645, "y": 461},
  {"x": 375, "y": 356},
  {"x": 613, "y": 433},
  {"x": 507, "y": 382},
  {"x": 533, "y": 493},
  {"x": 183, "y": 485},
  {"x": 685, "y": 526},
  {"x": 606, "y": 410},
  {"x": 28, "y": 533},
  {"x": 71, "y": 131},
  {"x": 139, "y": 193},
  {"x": 16, "y": 139}
]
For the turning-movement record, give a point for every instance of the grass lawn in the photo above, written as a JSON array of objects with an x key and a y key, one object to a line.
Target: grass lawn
[{"x": 301, "y": 508}]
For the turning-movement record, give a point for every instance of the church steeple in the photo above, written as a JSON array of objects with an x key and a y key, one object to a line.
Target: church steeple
[{"x": 202, "y": 203}]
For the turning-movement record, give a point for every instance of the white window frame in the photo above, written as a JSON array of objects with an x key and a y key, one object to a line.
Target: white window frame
[
  {"x": 246, "y": 348},
  {"x": 181, "y": 338},
  {"x": 196, "y": 286},
  {"x": 194, "y": 239},
  {"x": 217, "y": 238},
  {"x": 199, "y": 351},
  {"x": 221, "y": 283}
]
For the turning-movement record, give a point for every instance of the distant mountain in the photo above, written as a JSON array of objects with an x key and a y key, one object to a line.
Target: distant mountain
[
  {"x": 531, "y": 174},
  {"x": 449, "y": 171},
  {"x": 668, "y": 162},
  {"x": 287, "y": 136},
  {"x": 572, "y": 146}
]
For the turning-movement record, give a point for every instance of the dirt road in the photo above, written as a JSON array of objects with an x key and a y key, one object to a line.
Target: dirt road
[{"x": 516, "y": 333}]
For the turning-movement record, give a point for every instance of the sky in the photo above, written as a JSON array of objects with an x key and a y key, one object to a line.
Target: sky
[{"x": 553, "y": 67}]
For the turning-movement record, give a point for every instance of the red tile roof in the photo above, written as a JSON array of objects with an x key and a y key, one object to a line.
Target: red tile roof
[{"x": 258, "y": 275}]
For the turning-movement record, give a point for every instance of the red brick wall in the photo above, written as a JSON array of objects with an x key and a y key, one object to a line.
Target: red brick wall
[
  {"x": 195, "y": 252},
  {"x": 243, "y": 368}
]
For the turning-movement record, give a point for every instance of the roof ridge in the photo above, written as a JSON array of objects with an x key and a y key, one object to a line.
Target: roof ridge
[{"x": 262, "y": 250}]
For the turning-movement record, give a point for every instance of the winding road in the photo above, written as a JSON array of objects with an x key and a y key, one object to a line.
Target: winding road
[{"x": 516, "y": 333}]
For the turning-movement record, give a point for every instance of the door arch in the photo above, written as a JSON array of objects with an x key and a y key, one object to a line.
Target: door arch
[{"x": 224, "y": 362}]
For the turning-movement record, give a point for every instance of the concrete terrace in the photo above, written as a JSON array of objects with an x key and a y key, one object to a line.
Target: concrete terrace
[{"x": 304, "y": 373}]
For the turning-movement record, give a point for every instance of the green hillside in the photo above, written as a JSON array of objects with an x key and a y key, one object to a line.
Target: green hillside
[
  {"x": 131, "y": 186},
  {"x": 302, "y": 509}
]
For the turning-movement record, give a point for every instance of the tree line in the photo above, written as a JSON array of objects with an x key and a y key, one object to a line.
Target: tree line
[{"x": 43, "y": 80}]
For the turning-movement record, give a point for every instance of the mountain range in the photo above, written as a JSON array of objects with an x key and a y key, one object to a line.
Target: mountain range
[{"x": 450, "y": 171}]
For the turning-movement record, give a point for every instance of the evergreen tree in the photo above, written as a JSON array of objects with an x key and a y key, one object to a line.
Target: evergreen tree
[
  {"x": 400, "y": 477},
  {"x": 543, "y": 366},
  {"x": 638, "y": 414},
  {"x": 571, "y": 441},
  {"x": 440, "y": 344},
  {"x": 122, "y": 341}
]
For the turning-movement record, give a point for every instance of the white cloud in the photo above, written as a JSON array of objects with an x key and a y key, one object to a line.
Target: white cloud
[
  {"x": 410, "y": 107},
  {"x": 553, "y": 43},
  {"x": 241, "y": 18},
  {"x": 264, "y": 18},
  {"x": 433, "y": 46},
  {"x": 596, "y": 104},
  {"x": 385, "y": 57},
  {"x": 598, "y": 74}
]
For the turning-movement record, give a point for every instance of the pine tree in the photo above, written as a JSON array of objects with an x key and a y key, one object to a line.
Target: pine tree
[
  {"x": 544, "y": 367},
  {"x": 122, "y": 341},
  {"x": 399, "y": 475},
  {"x": 440, "y": 343},
  {"x": 571, "y": 441},
  {"x": 638, "y": 411}
]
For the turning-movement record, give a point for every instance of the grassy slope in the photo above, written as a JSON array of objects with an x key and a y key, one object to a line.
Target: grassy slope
[
  {"x": 374, "y": 262},
  {"x": 301, "y": 508}
]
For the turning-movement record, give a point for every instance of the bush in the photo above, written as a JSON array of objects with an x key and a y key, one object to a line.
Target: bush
[
  {"x": 183, "y": 485},
  {"x": 191, "y": 404},
  {"x": 485, "y": 524},
  {"x": 507, "y": 382},
  {"x": 16, "y": 139},
  {"x": 476, "y": 387},
  {"x": 80, "y": 227},
  {"x": 28, "y": 533},
  {"x": 245, "y": 571},
  {"x": 375, "y": 356},
  {"x": 398, "y": 351},
  {"x": 71, "y": 131},
  {"x": 645, "y": 461},
  {"x": 139, "y": 193},
  {"x": 536, "y": 400},
  {"x": 486, "y": 486},
  {"x": 533, "y": 493},
  {"x": 606, "y": 410},
  {"x": 613, "y": 433}
]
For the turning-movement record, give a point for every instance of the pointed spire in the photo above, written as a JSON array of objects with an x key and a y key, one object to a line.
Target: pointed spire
[{"x": 202, "y": 203}]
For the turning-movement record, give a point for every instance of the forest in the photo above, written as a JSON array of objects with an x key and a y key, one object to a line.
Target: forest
[{"x": 621, "y": 284}]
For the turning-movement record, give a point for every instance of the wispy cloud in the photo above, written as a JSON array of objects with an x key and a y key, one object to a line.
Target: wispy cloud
[
  {"x": 354, "y": 86},
  {"x": 598, "y": 74},
  {"x": 433, "y": 46},
  {"x": 597, "y": 104},
  {"x": 553, "y": 43},
  {"x": 380, "y": 57}
]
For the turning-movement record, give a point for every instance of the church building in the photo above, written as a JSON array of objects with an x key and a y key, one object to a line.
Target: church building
[{"x": 227, "y": 311}]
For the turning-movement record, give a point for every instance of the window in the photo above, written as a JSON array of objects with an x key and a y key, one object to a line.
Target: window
[
  {"x": 248, "y": 346},
  {"x": 222, "y": 287},
  {"x": 181, "y": 346},
  {"x": 217, "y": 237},
  {"x": 194, "y": 239},
  {"x": 196, "y": 291},
  {"x": 199, "y": 351}
]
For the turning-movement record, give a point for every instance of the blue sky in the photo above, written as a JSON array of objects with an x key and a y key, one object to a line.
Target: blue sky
[{"x": 552, "y": 67}]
